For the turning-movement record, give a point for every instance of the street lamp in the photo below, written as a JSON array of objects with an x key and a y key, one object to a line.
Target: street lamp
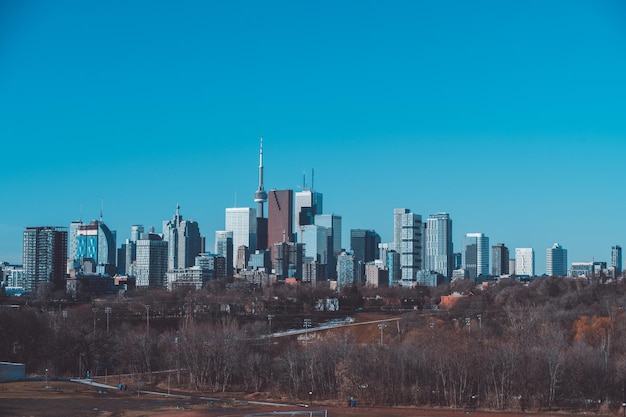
[
  {"x": 107, "y": 310},
  {"x": 270, "y": 317},
  {"x": 147, "y": 319},
  {"x": 381, "y": 326}
]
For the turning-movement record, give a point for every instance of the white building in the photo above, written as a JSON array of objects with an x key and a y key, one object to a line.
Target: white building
[
  {"x": 438, "y": 240},
  {"x": 411, "y": 243},
  {"x": 242, "y": 222},
  {"x": 315, "y": 239},
  {"x": 525, "y": 262}
]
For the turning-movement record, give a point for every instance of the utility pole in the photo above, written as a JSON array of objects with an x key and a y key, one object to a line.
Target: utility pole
[
  {"x": 147, "y": 320},
  {"x": 107, "y": 310},
  {"x": 381, "y": 326}
]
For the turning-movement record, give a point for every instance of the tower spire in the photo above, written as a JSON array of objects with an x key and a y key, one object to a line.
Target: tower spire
[{"x": 260, "y": 196}]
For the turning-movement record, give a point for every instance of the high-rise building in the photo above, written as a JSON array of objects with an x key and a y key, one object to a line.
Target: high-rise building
[
  {"x": 288, "y": 257},
  {"x": 315, "y": 239},
  {"x": 279, "y": 218},
  {"x": 346, "y": 270},
  {"x": 241, "y": 221},
  {"x": 93, "y": 241},
  {"x": 525, "y": 262},
  {"x": 152, "y": 258},
  {"x": 499, "y": 260},
  {"x": 308, "y": 204},
  {"x": 183, "y": 239},
  {"x": 476, "y": 255},
  {"x": 411, "y": 245},
  {"x": 438, "y": 242},
  {"x": 397, "y": 228},
  {"x": 332, "y": 223},
  {"x": 556, "y": 261},
  {"x": 393, "y": 265},
  {"x": 616, "y": 259},
  {"x": 364, "y": 244},
  {"x": 224, "y": 247},
  {"x": 44, "y": 257}
]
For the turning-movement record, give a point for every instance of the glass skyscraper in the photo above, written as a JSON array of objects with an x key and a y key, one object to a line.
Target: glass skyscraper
[
  {"x": 438, "y": 240},
  {"x": 476, "y": 254}
]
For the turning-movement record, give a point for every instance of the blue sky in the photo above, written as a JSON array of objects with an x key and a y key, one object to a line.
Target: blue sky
[{"x": 510, "y": 116}]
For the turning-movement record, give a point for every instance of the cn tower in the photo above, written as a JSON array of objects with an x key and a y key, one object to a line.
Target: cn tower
[{"x": 260, "y": 196}]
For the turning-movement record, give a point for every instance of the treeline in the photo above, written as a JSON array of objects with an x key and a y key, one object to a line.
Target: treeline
[{"x": 554, "y": 343}]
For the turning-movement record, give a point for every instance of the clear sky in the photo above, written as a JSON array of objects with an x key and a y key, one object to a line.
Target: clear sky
[{"x": 509, "y": 115}]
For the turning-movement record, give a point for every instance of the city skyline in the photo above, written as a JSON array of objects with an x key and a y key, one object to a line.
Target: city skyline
[{"x": 457, "y": 108}]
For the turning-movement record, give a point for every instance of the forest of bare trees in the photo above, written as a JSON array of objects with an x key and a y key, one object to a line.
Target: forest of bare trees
[{"x": 554, "y": 343}]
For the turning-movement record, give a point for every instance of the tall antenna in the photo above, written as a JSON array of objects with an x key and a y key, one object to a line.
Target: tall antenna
[
  {"x": 101, "y": 209},
  {"x": 312, "y": 179}
]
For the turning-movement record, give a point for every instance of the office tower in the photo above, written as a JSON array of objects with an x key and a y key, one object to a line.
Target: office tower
[
  {"x": 44, "y": 257},
  {"x": 499, "y": 260},
  {"x": 315, "y": 240},
  {"x": 364, "y": 245},
  {"x": 393, "y": 265},
  {"x": 346, "y": 270},
  {"x": 397, "y": 228},
  {"x": 313, "y": 272},
  {"x": 383, "y": 250},
  {"x": 260, "y": 260},
  {"x": 438, "y": 242},
  {"x": 224, "y": 247},
  {"x": 279, "y": 218},
  {"x": 288, "y": 257},
  {"x": 616, "y": 259},
  {"x": 525, "y": 262},
  {"x": 476, "y": 255},
  {"x": 242, "y": 222},
  {"x": 131, "y": 249},
  {"x": 93, "y": 241},
  {"x": 152, "y": 258},
  {"x": 242, "y": 257},
  {"x": 71, "y": 239},
  {"x": 332, "y": 223},
  {"x": 212, "y": 262},
  {"x": 411, "y": 245},
  {"x": 511, "y": 266},
  {"x": 556, "y": 261},
  {"x": 183, "y": 241},
  {"x": 308, "y": 204}
]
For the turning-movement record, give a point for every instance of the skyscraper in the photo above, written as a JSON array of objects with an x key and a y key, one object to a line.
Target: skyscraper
[
  {"x": 279, "y": 217},
  {"x": 438, "y": 241},
  {"x": 184, "y": 241},
  {"x": 411, "y": 241},
  {"x": 152, "y": 259},
  {"x": 241, "y": 221},
  {"x": 315, "y": 239},
  {"x": 499, "y": 260},
  {"x": 308, "y": 204},
  {"x": 364, "y": 244},
  {"x": 346, "y": 270},
  {"x": 224, "y": 247},
  {"x": 476, "y": 254},
  {"x": 93, "y": 241},
  {"x": 616, "y": 259},
  {"x": 44, "y": 257},
  {"x": 332, "y": 223},
  {"x": 556, "y": 261},
  {"x": 525, "y": 262},
  {"x": 397, "y": 228}
]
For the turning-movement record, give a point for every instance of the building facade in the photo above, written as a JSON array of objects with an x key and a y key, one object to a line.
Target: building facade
[
  {"x": 279, "y": 218},
  {"x": 476, "y": 255},
  {"x": 44, "y": 257},
  {"x": 525, "y": 262},
  {"x": 308, "y": 205},
  {"x": 616, "y": 259},
  {"x": 438, "y": 244},
  {"x": 224, "y": 247},
  {"x": 183, "y": 239},
  {"x": 151, "y": 264},
  {"x": 499, "y": 260},
  {"x": 411, "y": 239},
  {"x": 241, "y": 221},
  {"x": 556, "y": 261}
]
